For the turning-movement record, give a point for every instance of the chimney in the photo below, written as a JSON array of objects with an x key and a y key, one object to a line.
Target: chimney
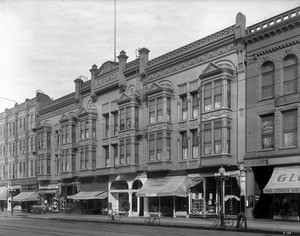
[
  {"x": 144, "y": 57},
  {"x": 122, "y": 63},
  {"x": 93, "y": 71},
  {"x": 78, "y": 83}
]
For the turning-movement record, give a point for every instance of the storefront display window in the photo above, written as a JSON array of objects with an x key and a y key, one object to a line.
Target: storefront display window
[{"x": 286, "y": 206}]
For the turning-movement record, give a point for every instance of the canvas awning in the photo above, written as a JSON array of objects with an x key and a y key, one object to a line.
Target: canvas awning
[
  {"x": 284, "y": 180},
  {"x": 3, "y": 193},
  {"x": 26, "y": 197},
  {"x": 164, "y": 186},
  {"x": 89, "y": 195}
]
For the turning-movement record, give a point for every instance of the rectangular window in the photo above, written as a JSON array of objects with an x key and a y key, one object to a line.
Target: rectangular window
[
  {"x": 152, "y": 147},
  {"x": 267, "y": 130},
  {"x": 82, "y": 158},
  {"x": 217, "y": 137},
  {"x": 87, "y": 133},
  {"x": 184, "y": 111},
  {"x": 290, "y": 81},
  {"x": 218, "y": 94},
  {"x": 48, "y": 164},
  {"x": 31, "y": 168},
  {"x": 152, "y": 111},
  {"x": 116, "y": 155},
  {"x": 267, "y": 90},
  {"x": 106, "y": 154},
  {"x": 195, "y": 140},
  {"x": 48, "y": 140},
  {"x": 122, "y": 118},
  {"x": 82, "y": 129},
  {"x": 116, "y": 123},
  {"x": 128, "y": 151},
  {"x": 106, "y": 123},
  {"x": 168, "y": 152},
  {"x": 94, "y": 155},
  {"x": 122, "y": 152},
  {"x": 290, "y": 128},
  {"x": 128, "y": 117},
  {"x": 184, "y": 145},
  {"x": 73, "y": 133},
  {"x": 159, "y": 141},
  {"x": 195, "y": 102},
  {"x": 168, "y": 109},
  {"x": 159, "y": 109},
  {"x": 207, "y": 97},
  {"x": 86, "y": 156},
  {"x": 207, "y": 139}
]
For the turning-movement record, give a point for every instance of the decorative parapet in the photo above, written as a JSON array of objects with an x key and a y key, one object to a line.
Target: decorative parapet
[
  {"x": 286, "y": 16},
  {"x": 192, "y": 46}
]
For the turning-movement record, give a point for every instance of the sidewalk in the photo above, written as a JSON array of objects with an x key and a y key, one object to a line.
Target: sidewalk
[{"x": 254, "y": 226}]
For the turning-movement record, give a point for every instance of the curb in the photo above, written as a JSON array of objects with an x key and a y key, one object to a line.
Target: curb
[{"x": 170, "y": 225}]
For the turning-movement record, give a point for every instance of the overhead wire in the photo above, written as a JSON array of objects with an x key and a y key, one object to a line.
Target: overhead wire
[{"x": 79, "y": 29}]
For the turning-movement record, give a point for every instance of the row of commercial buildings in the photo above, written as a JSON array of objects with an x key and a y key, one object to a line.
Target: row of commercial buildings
[{"x": 149, "y": 135}]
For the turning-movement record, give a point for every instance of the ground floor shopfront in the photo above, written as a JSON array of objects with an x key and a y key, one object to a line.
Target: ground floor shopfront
[
  {"x": 274, "y": 192},
  {"x": 168, "y": 194}
]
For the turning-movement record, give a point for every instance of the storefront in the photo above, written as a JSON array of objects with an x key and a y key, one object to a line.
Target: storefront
[
  {"x": 165, "y": 195},
  {"x": 284, "y": 185},
  {"x": 91, "y": 197},
  {"x": 49, "y": 196},
  {"x": 26, "y": 200},
  {"x": 204, "y": 195},
  {"x": 123, "y": 194}
]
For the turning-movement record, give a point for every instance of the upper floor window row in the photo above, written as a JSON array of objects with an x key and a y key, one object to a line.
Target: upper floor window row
[
  {"x": 289, "y": 74},
  {"x": 288, "y": 128}
]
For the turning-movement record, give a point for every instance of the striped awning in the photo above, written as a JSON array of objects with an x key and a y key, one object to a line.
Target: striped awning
[{"x": 26, "y": 197}]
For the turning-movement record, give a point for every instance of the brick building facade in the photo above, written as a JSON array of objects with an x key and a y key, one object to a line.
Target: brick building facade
[{"x": 272, "y": 127}]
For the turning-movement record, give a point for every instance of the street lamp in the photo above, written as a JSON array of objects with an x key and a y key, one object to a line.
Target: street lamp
[
  {"x": 222, "y": 176},
  {"x": 10, "y": 190}
]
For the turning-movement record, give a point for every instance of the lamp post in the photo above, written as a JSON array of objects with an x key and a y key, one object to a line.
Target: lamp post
[
  {"x": 222, "y": 177},
  {"x": 10, "y": 190}
]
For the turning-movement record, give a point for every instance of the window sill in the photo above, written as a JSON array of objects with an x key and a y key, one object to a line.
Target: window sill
[
  {"x": 288, "y": 148},
  {"x": 267, "y": 150}
]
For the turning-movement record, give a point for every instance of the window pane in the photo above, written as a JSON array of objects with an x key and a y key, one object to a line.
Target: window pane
[
  {"x": 207, "y": 90},
  {"x": 290, "y": 86},
  {"x": 290, "y": 120},
  {"x": 290, "y": 72},
  {"x": 218, "y": 87}
]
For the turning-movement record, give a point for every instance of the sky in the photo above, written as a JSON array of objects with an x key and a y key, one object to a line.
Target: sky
[{"x": 46, "y": 44}]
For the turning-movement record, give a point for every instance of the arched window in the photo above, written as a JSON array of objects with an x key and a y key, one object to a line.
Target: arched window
[
  {"x": 268, "y": 78},
  {"x": 290, "y": 74}
]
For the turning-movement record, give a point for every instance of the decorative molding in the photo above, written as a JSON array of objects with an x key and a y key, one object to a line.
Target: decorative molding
[
  {"x": 217, "y": 114},
  {"x": 198, "y": 59}
]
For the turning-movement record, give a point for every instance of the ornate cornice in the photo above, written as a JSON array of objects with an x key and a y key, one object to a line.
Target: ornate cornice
[
  {"x": 176, "y": 67},
  {"x": 276, "y": 25}
]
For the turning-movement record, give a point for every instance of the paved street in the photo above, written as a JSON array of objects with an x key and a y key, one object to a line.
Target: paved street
[
  {"x": 38, "y": 227},
  {"x": 74, "y": 223}
]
